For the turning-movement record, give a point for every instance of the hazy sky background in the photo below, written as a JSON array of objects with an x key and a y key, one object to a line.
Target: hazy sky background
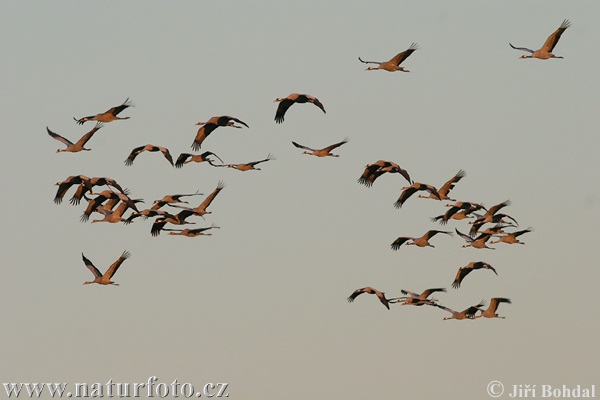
[{"x": 261, "y": 304}]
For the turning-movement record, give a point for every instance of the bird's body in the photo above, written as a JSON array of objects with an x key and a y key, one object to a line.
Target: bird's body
[
  {"x": 104, "y": 279},
  {"x": 392, "y": 65},
  {"x": 408, "y": 191},
  {"x": 207, "y": 127},
  {"x": 378, "y": 168},
  {"x": 511, "y": 238},
  {"x": 286, "y": 102},
  {"x": 186, "y": 158},
  {"x": 108, "y": 116},
  {"x": 247, "y": 166},
  {"x": 370, "y": 290},
  {"x": 324, "y": 152},
  {"x": 468, "y": 313},
  {"x": 79, "y": 145},
  {"x": 545, "y": 52},
  {"x": 191, "y": 232},
  {"x": 491, "y": 310},
  {"x": 422, "y": 241},
  {"x": 112, "y": 216},
  {"x": 478, "y": 242},
  {"x": 466, "y": 270},
  {"x": 151, "y": 148},
  {"x": 172, "y": 199}
]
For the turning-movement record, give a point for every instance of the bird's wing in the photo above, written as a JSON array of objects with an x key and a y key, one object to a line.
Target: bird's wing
[
  {"x": 428, "y": 292},
  {"x": 269, "y": 158},
  {"x": 62, "y": 189},
  {"x": 404, "y": 55},
  {"x": 404, "y": 173},
  {"x": 494, "y": 209},
  {"x": 369, "y": 175},
  {"x": 451, "y": 311},
  {"x": 59, "y": 138},
  {"x": 209, "y": 153},
  {"x": 553, "y": 39},
  {"x": 116, "y": 110},
  {"x": 83, "y": 140},
  {"x": 408, "y": 292},
  {"x": 112, "y": 270},
  {"x": 399, "y": 242},
  {"x": 239, "y": 121},
  {"x": 462, "y": 235},
  {"x": 202, "y": 134},
  {"x": 406, "y": 193},
  {"x": 495, "y": 302},
  {"x": 317, "y": 103},
  {"x": 519, "y": 233},
  {"x": 355, "y": 294},
  {"x": 383, "y": 300},
  {"x": 91, "y": 267},
  {"x": 167, "y": 154},
  {"x": 157, "y": 226},
  {"x": 204, "y": 205},
  {"x": 302, "y": 147},
  {"x": 522, "y": 48},
  {"x": 369, "y": 62},
  {"x": 449, "y": 185},
  {"x": 199, "y": 230},
  {"x": 183, "y": 157},
  {"x": 134, "y": 153},
  {"x": 460, "y": 275},
  {"x": 333, "y": 146},
  {"x": 281, "y": 109},
  {"x": 432, "y": 233}
]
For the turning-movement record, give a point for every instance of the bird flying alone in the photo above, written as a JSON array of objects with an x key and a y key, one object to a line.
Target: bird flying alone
[
  {"x": 79, "y": 145},
  {"x": 185, "y": 158},
  {"x": 108, "y": 116},
  {"x": 466, "y": 270},
  {"x": 191, "y": 232},
  {"x": 324, "y": 152},
  {"x": 149, "y": 147},
  {"x": 546, "y": 51},
  {"x": 286, "y": 102},
  {"x": 207, "y": 127},
  {"x": 110, "y": 272},
  {"x": 370, "y": 290},
  {"x": 422, "y": 241},
  {"x": 247, "y": 166},
  {"x": 394, "y": 64}
]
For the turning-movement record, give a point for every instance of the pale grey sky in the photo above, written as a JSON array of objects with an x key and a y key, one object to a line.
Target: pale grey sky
[{"x": 261, "y": 304}]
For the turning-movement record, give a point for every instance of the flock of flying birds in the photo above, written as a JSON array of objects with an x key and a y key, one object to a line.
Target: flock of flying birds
[
  {"x": 113, "y": 202},
  {"x": 477, "y": 236}
]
